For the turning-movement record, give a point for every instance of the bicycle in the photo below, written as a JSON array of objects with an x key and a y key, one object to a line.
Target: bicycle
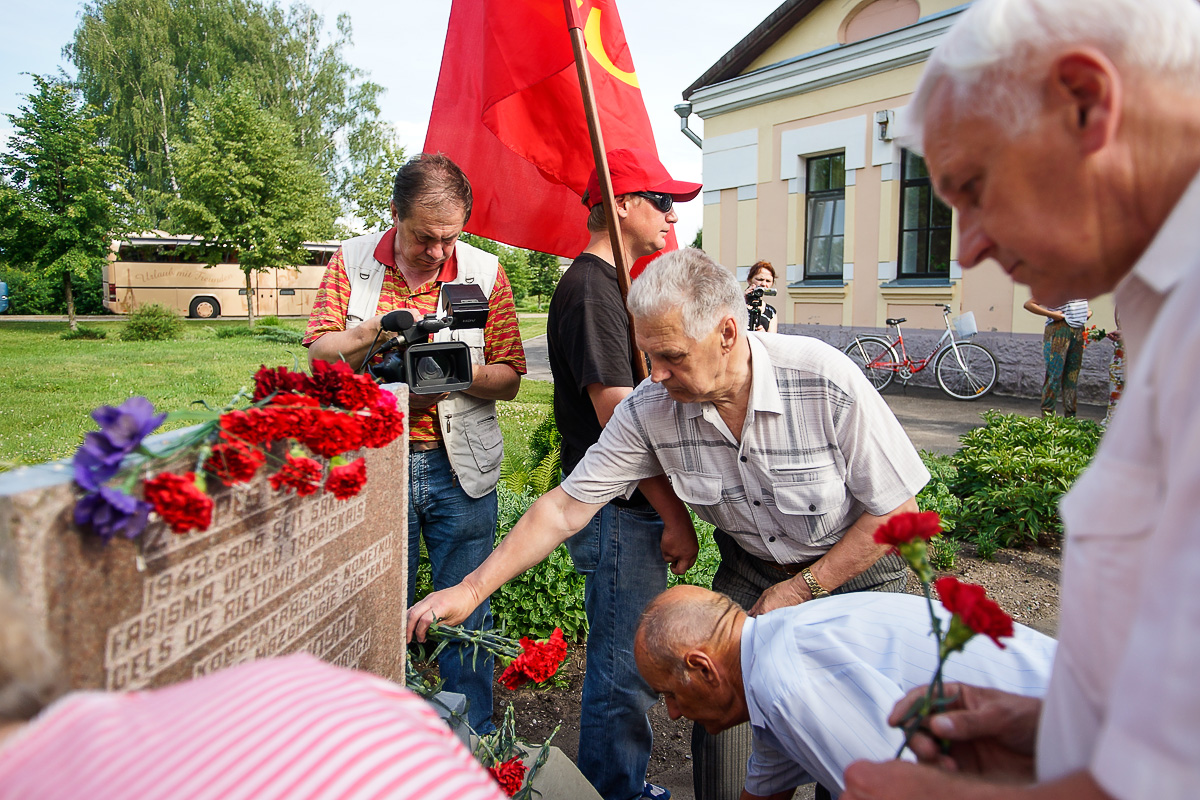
[{"x": 965, "y": 370}]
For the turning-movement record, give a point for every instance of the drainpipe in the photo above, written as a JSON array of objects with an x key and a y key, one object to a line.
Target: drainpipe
[{"x": 684, "y": 110}]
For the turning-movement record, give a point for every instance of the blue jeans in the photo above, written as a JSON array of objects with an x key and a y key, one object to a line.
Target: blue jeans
[
  {"x": 459, "y": 533},
  {"x": 619, "y": 553}
]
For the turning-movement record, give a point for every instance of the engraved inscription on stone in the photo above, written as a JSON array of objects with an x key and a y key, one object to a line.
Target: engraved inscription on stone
[{"x": 235, "y": 585}]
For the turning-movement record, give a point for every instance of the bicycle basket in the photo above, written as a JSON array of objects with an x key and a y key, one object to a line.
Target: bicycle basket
[{"x": 964, "y": 325}]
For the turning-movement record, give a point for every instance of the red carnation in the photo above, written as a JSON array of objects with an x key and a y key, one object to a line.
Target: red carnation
[
  {"x": 509, "y": 774},
  {"x": 179, "y": 501},
  {"x": 234, "y": 462},
  {"x": 347, "y": 480},
  {"x": 359, "y": 391},
  {"x": 249, "y": 427},
  {"x": 909, "y": 527},
  {"x": 327, "y": 379},
  {"x": 538, "y": 663},
  {"x": 332, "y": 433},
  {"x": 382, "y": 425},
  {"x": 268, "y": 381},
  {"x": 386, "y": 400},
  {"x": 303, "y": 475},
  {"x": 978, "y": 613},
  {"x": 290, "y": 416}
]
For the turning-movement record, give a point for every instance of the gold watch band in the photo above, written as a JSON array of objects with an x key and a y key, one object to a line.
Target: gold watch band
[{"x": 814, "y": 586}]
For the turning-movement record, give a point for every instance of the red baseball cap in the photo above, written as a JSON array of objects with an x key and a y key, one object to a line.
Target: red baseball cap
[{"x": 637, "y": 170}]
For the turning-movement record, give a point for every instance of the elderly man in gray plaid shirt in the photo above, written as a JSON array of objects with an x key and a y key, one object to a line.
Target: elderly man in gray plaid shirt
[{"x": 778, "y": 441}]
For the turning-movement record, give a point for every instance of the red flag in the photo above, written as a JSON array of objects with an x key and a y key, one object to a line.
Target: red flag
[{"x": 508, "y": 110}]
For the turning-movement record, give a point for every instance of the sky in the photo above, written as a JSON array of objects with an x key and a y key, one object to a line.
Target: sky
[{"x": 400, "y": 45}]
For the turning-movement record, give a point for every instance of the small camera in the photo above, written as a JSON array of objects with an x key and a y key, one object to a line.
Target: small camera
[
  {"x": 432, "y": 367},
  {"x": 754, "y": 303}
]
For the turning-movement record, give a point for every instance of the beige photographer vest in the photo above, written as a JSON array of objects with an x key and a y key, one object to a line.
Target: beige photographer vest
[{"x": 469, "y": 427}]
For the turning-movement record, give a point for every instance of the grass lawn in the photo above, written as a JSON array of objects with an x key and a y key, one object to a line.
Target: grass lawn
[
  {"x": 532, "y": 326},
  {"x": 51, "y": 385}
]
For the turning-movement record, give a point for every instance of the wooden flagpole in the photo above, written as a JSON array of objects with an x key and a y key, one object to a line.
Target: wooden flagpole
[{"x": 601, "y": 157}]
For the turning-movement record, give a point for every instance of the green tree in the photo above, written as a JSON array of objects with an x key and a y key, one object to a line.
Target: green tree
[
  {"x": 147, "y": 64},
  {"x": 514, "y": 260},
  {"x": 246, "y": 189},
  {"x": 60, "y": 207},
  {"x": 369, "y": 189},
  {"x": 543, "y": 276},
  {"x": 698, "y": 242}
]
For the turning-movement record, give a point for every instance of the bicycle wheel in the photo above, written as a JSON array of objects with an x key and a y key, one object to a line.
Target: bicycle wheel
[
  {"x": 972, "y": 377},
  {"x": 875, "y": 357}
]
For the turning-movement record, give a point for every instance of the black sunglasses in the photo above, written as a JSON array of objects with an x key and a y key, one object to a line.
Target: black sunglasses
[{"x": 663, "y": 202}]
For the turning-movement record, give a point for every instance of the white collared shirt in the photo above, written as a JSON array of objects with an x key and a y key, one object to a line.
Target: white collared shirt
[
  {"x": 818, "y": 448},
  {"x": 822, "y": 677},
  {"x": 1124, "y": 701}
]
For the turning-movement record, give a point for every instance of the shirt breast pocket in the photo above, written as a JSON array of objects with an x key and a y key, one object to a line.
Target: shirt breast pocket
[
  {"x": 697, "y": 488},
  {"x": 816, "y": 494}
]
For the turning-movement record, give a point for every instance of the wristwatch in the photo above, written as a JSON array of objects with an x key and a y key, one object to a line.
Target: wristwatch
[{"x": 814, "y": 586}]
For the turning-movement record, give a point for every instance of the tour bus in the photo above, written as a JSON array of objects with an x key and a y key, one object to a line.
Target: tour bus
[{"x": 156, "y": 267}]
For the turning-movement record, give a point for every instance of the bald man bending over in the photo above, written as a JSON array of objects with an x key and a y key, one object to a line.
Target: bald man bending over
[{"x": 815, "y": 681}]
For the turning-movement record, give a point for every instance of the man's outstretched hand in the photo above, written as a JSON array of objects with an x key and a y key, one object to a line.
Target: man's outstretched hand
[{"x": 448, "y": 607}]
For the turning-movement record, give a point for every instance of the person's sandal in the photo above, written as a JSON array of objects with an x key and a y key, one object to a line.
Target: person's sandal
[{"x": 656, "y": 792}]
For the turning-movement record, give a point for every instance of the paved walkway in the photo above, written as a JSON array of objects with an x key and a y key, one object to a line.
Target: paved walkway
[{"x": 932, "y": 420}]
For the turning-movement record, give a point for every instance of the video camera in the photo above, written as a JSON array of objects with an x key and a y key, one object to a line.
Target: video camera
[
  {"x": 754, "y": 304},
  {"x": 431, "y": 367}
]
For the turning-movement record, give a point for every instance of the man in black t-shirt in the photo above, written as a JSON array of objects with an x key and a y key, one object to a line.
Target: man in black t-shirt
[{"x": 625, "y": 548}]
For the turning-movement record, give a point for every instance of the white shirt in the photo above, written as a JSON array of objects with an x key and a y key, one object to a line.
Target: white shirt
[
  {"x": 1124, "y": 701},
  {"x": 822, "y": 677},
  {"x": 818, "y": 448}
]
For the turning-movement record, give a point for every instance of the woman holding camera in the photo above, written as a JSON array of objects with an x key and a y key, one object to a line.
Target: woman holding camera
[{"x": 762, "y": 276}]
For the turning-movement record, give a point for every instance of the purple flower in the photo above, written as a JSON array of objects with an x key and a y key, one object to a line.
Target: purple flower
[
  {"x": 121, "y": 431},
  {"x": 125, "y": 426},
  {"x": 110, "y": 511}
]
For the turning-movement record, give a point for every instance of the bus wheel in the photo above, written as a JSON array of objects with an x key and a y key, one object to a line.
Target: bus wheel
[{"x": 204, "y": 308}]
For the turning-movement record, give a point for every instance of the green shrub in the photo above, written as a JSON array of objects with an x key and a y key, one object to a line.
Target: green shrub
[
  {"x": 84, "y": 332},
  {"x": 34, "y": 292},
  {"x": 938, "y": 495},
  {"x": 152, "y": 322},
  {"x": 702, "y": 572},
  {"x": 1012, "y": 472},
  {"x": 271, "y": 321},
  {"x": 544, "y": 597},
  {"x": 943, "y": 552},
  {"x": 544, "y": 439},
  {"x": 267, "y": 333}
]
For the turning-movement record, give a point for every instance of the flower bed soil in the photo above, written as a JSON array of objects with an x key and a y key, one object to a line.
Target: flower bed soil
[{"x": 1024, "y": 583}]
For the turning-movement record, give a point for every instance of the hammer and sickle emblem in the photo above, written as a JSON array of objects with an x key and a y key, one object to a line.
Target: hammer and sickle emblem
[{"x": 595, "y": 46}]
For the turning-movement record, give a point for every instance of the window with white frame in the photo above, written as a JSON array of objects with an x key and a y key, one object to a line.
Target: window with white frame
[
  {"x": 826, "y": 192},
  {"x": 925, "y": 223}
]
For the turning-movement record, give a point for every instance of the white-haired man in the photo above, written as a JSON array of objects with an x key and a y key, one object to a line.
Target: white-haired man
[
  {"x": 1066, "y": 134},
  {"x": 778, "y": 441}
]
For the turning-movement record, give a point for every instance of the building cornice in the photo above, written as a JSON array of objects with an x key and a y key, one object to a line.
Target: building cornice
[{"x": 827, "y": 67}]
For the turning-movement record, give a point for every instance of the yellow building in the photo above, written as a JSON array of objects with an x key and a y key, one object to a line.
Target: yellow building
[{"x": 802, "y": 169}]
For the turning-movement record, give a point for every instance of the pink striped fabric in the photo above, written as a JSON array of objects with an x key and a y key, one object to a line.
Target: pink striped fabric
[{"x": 287, "y": 728}]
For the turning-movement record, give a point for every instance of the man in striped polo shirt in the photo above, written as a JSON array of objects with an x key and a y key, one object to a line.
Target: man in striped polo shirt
[
  {"x": 1062, "y": 347},
  {"x": 815, "y": 681},
  {"x": 453, "y": 468}
]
